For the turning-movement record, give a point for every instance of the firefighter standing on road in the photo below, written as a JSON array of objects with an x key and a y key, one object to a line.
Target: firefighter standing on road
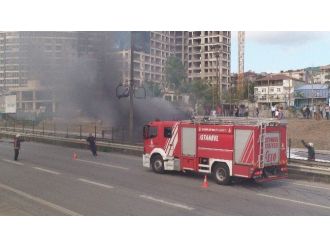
[
  {"x": 311, "y": 151},
  {"x": 92, "y": 144},
  {"x": 17, "y": 145}
]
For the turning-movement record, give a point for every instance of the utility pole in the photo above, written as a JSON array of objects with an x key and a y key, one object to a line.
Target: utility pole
[
  {"x": 268, "y": 95},
  {"x": 217, "y": 53},
  {"x": 290, "y": 81},
  {"x": 218, "y": 88},
  {"x": 312, "y": 82},
  {"x": 5, "y": 60},
  {"x": 131, "y": 87},
  {"x": 241, "y": 44}
]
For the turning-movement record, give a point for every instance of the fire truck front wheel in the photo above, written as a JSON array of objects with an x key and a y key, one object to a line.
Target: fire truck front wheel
[
  {"x": 157, "y": 164},
  {"x": 221, "y": 174}
]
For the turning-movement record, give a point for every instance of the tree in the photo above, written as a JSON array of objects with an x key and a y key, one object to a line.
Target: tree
[
  {"x": 246, "y": 93},
  {"x": 174, "y": 73},
  {"x": 153, "y": 89},
  {"x": 200, "y": 93}
]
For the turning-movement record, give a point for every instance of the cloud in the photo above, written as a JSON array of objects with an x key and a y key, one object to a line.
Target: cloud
[{"x": 286, "y": 38}]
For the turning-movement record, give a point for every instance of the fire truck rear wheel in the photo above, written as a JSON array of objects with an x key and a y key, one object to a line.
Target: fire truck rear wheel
[
  {"x": 157, "y": 164},
  {"x": 221, "y": 174}
]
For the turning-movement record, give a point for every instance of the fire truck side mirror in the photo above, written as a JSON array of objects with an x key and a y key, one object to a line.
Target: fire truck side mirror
[{"x": 145, "y": 132}]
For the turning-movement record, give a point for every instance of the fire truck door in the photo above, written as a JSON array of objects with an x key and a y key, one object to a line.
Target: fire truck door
[{"x": 188, "y": 142}]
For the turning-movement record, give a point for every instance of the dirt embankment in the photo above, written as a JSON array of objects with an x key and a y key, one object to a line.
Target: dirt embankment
[{"x": 309, "y": 130}]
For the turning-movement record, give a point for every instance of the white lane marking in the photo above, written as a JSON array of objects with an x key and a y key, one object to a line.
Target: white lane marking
[
  {"x": 166, "y": 203},
  {"x": 305, "y": 185},
  {"x": 103, "y": 164},
  {"x": 312, "y": 186},
  {"x": 95, "y": 183},
  {"x": 294, "y": 201},
  {"x": 13, "y": 162},
  {"x": 110, "y": 155},
  {"x": 45, "y": 170},
  {"x": 40, "y": 201}
]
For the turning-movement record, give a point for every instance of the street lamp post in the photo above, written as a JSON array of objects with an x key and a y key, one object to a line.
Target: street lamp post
[
  {"x": 268, "y": 95},
  {"x": 217, "y": 49},
  {"x": 131, "y": 87},
  {"x": 217, "y": 55}
]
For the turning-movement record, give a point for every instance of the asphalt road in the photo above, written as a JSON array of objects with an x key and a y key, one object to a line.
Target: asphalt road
[{"x": 46, "y": 181}]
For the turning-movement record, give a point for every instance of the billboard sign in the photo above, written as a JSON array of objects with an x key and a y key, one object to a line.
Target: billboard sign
[{"x": 8, "y": 104}]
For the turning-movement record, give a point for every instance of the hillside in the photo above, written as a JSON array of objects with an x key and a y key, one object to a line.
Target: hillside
[{"x": 314, "y": 131}]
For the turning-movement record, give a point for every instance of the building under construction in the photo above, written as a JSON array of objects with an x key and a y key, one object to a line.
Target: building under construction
[
  {"x": 41, "y": 59},
  {"x": 205, "y": 55}
]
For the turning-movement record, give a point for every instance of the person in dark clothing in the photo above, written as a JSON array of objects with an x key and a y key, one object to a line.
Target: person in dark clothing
[
  {"x": 92, "y": 144},
  {"x": 17, "y": 145},
  {"x": 311, "y": 151},
  {"x": 308, "y": 112},
  {"x": 236, "y": 111}
]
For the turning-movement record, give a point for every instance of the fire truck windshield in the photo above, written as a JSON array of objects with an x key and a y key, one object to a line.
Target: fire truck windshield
[{"x": 149, "y": 131}]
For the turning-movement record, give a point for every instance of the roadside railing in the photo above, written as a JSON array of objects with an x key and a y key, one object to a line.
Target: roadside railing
[{"x": 73, "y": 131}]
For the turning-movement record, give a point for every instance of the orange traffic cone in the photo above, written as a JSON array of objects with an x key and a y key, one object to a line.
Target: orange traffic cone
[
  {"x": 74, "y": 156},
  {"x": 205, "y": 183}
]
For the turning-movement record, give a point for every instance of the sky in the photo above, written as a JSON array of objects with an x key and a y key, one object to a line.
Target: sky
[{"x": 273, "y": 51}]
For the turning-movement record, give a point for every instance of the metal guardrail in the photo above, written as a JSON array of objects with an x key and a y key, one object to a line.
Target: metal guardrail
[
  {"x": 310, "y": 167},
  {"x": 65, "y": 134},
  {"x": 78, "y": 131},
  {"x": 135, "y": 149},
  {"x": 320, "y": 170}
]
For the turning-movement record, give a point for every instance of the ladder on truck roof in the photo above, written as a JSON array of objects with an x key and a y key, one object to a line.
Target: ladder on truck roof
[
  {"x": 236, "y": 120},
  {"x": 261, "y": 145}
]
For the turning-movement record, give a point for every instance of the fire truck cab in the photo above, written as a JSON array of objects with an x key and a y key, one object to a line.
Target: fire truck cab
[{"x": 225, "y": 147}]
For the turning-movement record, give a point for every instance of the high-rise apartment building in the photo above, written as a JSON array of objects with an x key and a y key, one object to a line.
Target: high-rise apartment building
[
  {"x": 149, "y": 61},
  {"x": 24, "y": 55},
  {"x": 204, "y": 54},
  {"x": 42, "y": 59},
  {"x": 209, "y": 57}
]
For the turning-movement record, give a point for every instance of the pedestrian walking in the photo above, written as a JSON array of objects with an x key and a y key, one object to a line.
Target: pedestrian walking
[
  {"x": 311, "y": 150},
  {"x": 218, "y": 110},
  {"x": 273, "y": 109},
  {"x": 276, "y": 112},
  {"x": 280, "y": 113},
  {"x": 257, "y": 111},
  {"x": 92, "y": 144},
  {"x": 313, "y": 109},
  {"x": 327, "y": 112},
  {"x": 324, "y": 111},
  {"x": 304, "y": 111},
  {"x": 236, "y": 111},
  {"x": 17, "y": 145},
  {"x": 308, "y": 112},
  {"x": 317, "y": 112},
  {"x": 241, "y": 111}
]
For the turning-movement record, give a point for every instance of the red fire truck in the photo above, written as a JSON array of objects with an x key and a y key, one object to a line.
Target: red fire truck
[{"x": 252, "y": 148}]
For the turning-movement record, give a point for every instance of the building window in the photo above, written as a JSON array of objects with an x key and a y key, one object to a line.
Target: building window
[{"x": 279, "y": 90}]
